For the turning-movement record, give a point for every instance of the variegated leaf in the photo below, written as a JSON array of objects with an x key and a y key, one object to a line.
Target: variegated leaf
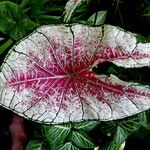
[
  {"x": 70, "y": 9},
  {"x": 47, "y": 77}
]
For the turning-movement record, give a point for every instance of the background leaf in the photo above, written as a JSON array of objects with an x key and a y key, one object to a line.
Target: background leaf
[
  {"x": 68, "y": 146},
  {"x": 5, "y": 45},
  {"x": 13, "y": 20},
  {"x": 36, "y": 145},
  {"x": 97, "y": 18},
  {"x": 57, "y": 133},
  {"x": 86, "y": 125},
  {"x": 81, "y": 139},
  {"x": 144, "y": 118}
]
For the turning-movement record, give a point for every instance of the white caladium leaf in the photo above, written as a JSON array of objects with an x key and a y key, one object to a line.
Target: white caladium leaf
[
  {"x": 70, "y": 8},
  {"x": 48, "y": 76}
]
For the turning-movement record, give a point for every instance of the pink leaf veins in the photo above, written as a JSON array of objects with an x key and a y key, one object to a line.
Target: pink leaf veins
[{"x": 47, "y": 77}]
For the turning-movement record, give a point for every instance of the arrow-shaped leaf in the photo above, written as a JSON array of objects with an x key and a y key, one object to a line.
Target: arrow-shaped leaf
[
  {"x": 81, "y": 139},
  {"x": 48, "y": 76}
]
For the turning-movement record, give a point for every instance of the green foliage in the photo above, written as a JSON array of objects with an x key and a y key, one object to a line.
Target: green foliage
[
  {"x": 97, "y": 18},
  {"x": 36, "y": 145},
  {"x": 19, "y": 17},
  {"x": 69, "y": 136},
  {"x": 81, "y": 139},
  {"x": 5, "y": 45},
  {"x": 14, "y": 22},
  {"x": 145, "y": 119}
]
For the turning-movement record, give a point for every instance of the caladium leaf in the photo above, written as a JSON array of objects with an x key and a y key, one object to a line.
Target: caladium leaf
[
  {"x": 70, "y": 8},
  {"x": 48, "y": 76}
]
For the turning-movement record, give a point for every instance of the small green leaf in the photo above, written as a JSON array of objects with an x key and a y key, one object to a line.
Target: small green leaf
[
  {"x": 144, "y": 119},
  {"x": 45, "y": 19},
  {"x": 36, "y": 145},
  {"x": 86, "y": 125},
  {"x": 68, "y": 146},
  {"x": 56, "y": 133},
  {"x": 124, "y": 129},
  {"x": 120, "y": 135},
  {"x": 109, "y": 146},
  {"x": 81, "y": 139},
  {"x": 5, "y": 45},
  {"x": 14, "y": 22},
  {"x": 97, "y": 18}
]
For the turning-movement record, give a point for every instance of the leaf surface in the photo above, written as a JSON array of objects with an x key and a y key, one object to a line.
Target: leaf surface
[
  {"x": 81, "y": 139},
  {"x": 14, "y": 22},
  {"x": 36, "y": 145},
  {"x": 57, "y": 133},
  {"x": 48, "y": 76},
  {"x": 70, "y": 8},
  {"x": 68, "y": 146}
]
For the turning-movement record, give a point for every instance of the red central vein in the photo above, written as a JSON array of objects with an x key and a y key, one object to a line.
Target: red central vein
[{"x": 41, "y": 78}]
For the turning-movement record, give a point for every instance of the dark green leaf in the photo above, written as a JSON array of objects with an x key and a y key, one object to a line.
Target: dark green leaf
[
  {"x": 97, "y": 18},
  {"x": 13, "y": 20},
  {"x": 36, "y": 145},
  {"x": 68, "y": 146},
  {"x": 45, "y": 19},
  {"x": 5, "y": 45},
  {"x": 57, "y": 133},
  {"x": 81, "y": 139},
  {"x": 112, "y": 146},
  {"x": 86, "y": 125},
  {"x": 144, "y": 119},
  {"x": 120, "y": 135},
  {"x": 124, "y": 129}
]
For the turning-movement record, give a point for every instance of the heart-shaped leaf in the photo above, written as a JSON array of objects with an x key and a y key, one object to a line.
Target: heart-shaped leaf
[
  {"x": 81, "y": 139},
  {"x": 86, "y": 125},
  {"x": 36, "y": 145},
  {"x": 57, "y": 133},
  {"x": 48, "y": 76}
]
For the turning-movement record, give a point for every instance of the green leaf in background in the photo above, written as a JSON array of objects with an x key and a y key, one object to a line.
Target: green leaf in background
[
  {"x": 124, "y": 129},
  {"x": 70, "y": 9},
  {"x": 120, "y": 135},
  {"x": 144, "y": 119},
  {"x": 14, "y": 22},
  {"x": 5, "y": 45},
  {"x": 86, "y": 125},
  {"x": 35, "y": 8},
  {"x": 81, "y": 139},
  {"x": 46, "y": 19},
  {"x": 36, "y": 145},
  {"x": 109, "y": 146},
  {"x": 68, "y": 146},
  {"x": 97, "y": 18},
  {"x": 118, "y": 132},
  {"x": 57, "y": 133},
  {"x": 44, "y": 12}
]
